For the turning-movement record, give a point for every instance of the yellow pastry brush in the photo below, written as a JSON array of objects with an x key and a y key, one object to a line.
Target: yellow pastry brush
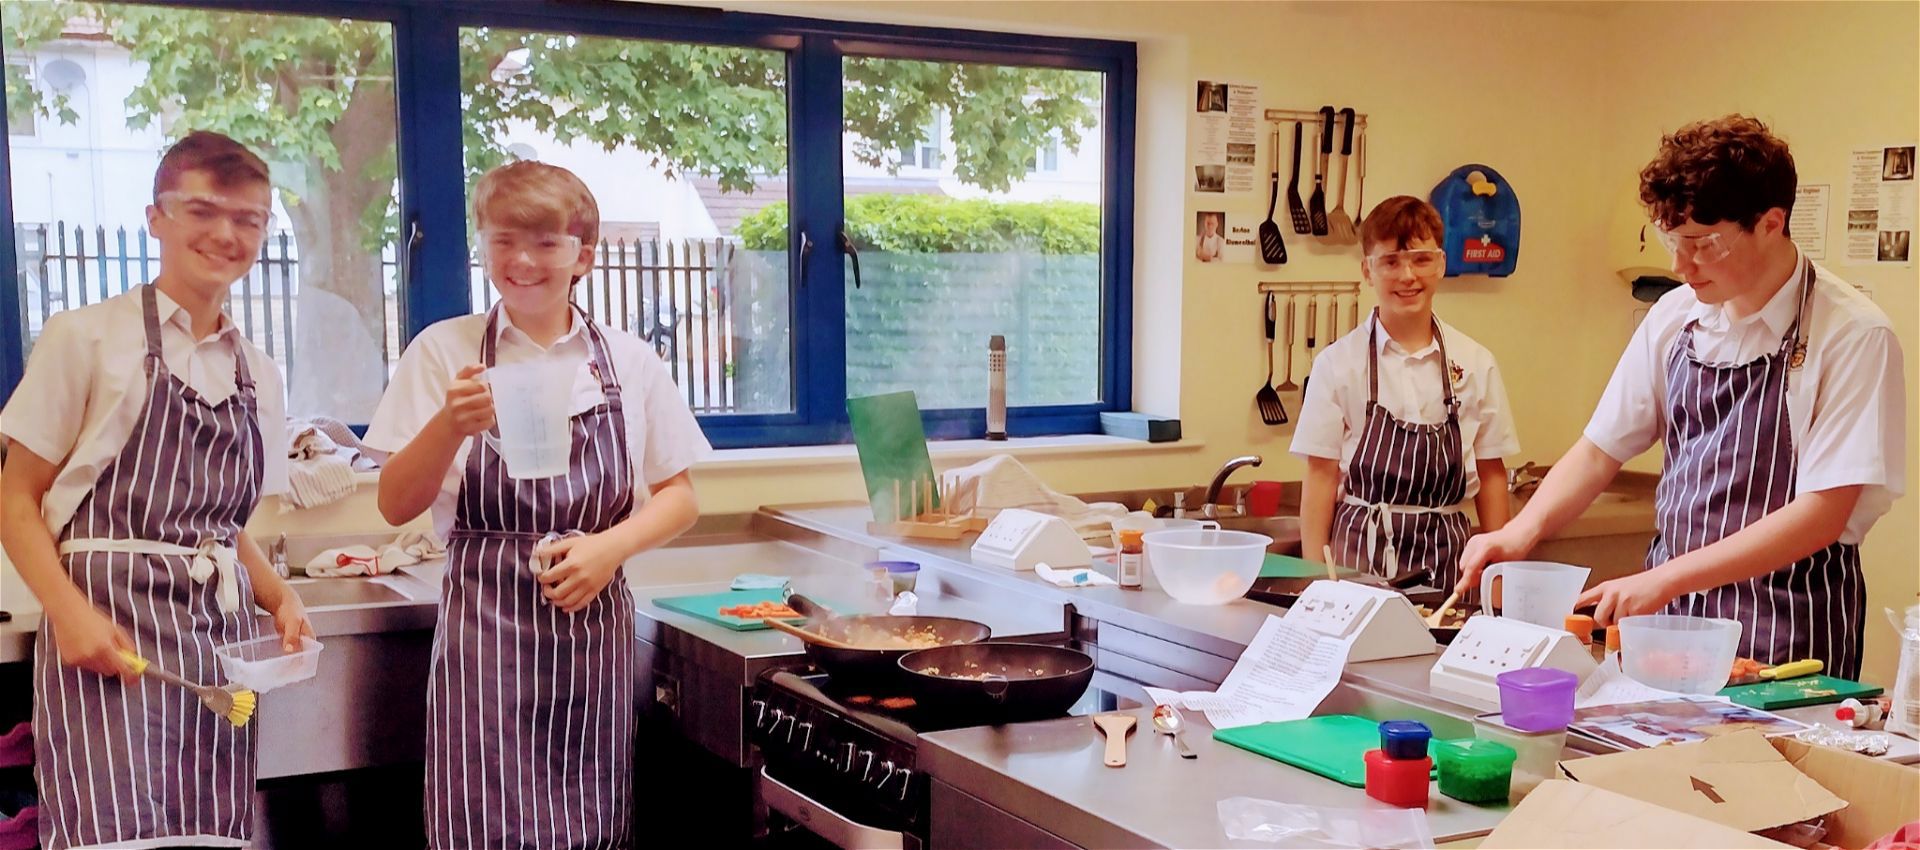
[{"x": 232, "y": 702}]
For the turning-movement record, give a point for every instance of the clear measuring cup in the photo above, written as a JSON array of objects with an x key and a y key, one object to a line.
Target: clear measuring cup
[
  {"x": 1538, "y": 592},
  {"x": 530, "y": 402}
]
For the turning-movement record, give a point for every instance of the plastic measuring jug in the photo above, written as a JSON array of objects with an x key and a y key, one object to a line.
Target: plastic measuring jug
[
  {"x": 1537, "y": 592},
  {"x": 530, "y": 402}
]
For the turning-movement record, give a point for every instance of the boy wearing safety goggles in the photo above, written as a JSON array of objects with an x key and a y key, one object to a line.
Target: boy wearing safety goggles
[
  {"x": 1405, "y": 418},
  {"x": 143, "y": 434},
  {"x": 535, "y": 637},
  {"x": 1777, "y": 391}
]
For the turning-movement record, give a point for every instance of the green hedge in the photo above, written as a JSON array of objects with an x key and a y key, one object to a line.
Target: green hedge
[{"x": 936, "y": 224}]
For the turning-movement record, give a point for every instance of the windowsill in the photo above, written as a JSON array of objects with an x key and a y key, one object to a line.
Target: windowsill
[{"x": 1070, "y": 445}]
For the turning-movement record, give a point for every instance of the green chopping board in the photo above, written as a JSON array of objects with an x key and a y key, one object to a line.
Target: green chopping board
[
  {"x": 1334, "y": 746},
  {"x": 892, "y": 443},
  {"x": 707, "y": 607},
  {"x": 1288, "y": 566},
  {"x": 1793, "y": 693}
]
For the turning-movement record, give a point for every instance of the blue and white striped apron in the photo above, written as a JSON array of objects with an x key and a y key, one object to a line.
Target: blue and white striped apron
[
  {"x": 1730, "y": 460},
  {"x": 530, "y": 711},
  {"x": 145, "y": 764},
  {"x": 1404, "y": 485}
]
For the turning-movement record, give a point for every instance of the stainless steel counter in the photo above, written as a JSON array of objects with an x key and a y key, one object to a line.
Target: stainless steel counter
[{"x": 1050, "y": 774}]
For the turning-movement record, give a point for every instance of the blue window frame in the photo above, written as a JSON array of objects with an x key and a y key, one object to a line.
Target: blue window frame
[{"x": 432, "y": 208}]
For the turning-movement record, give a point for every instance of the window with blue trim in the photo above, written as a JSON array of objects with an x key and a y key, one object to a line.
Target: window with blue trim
[{"x": 793, "y": 211}]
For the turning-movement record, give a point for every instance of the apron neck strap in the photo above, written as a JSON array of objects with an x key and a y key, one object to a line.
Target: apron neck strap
[
  {"x": 602, "y": 360},
  {"x": 150, "y": 316},
  {"x": 1373, "y": 362},
  {"x": 1794, "y": 343}
]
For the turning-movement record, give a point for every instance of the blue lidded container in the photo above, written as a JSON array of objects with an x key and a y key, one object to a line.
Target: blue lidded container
[{"x": 1405, "y": 739}]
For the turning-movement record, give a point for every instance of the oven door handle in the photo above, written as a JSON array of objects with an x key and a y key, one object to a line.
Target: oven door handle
[{"x": 825, "y": 822}]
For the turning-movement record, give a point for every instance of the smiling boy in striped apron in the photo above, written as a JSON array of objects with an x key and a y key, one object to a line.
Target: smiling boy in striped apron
[
  {"x": 1405, "y": 420},
  {"x": 1778, "y": 391},
  {"x": 142, "y": 436},
  {"x": 530, "y": 706}
]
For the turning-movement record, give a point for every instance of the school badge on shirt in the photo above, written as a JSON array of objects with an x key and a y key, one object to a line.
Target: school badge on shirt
[{"x": 1457, "y": 375}]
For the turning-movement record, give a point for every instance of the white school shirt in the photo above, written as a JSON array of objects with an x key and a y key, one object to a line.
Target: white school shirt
[
  {"x": 1846, "y": 405},
  {"x": 85, "y": 388},
  {"x": 663, "y": 439},
  {"x": 1334, "y": 411}
]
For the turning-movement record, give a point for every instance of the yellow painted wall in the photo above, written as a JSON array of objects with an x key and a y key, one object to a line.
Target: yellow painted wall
[{"x": 1567, "y": 100}]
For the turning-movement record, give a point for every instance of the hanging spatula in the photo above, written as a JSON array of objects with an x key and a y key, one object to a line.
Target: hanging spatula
[
  {"x": 1272, "y": 411},
  {"x": 1317, "y": 205},
  {"x": 1340, "y": 225},
  {"x": 1296, "y": 207},
  {"x": 1273, "y": 252}
]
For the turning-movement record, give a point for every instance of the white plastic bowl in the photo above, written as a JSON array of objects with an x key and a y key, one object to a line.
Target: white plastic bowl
[
  {"x": 1206, "y": 566},
  {"x": 1688, "y": 655},
  {"x": 260, "y": 664}
]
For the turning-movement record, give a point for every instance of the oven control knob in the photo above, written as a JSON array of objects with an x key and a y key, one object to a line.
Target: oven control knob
[
  {"x": 759, "y": 713},
  {"x": 866, "y": 765},
  {"x": 847, "y": 765}
]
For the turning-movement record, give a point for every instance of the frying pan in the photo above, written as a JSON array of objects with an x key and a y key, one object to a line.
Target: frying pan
[
  {"x": 1021, "y": 681},
  {"x": 858, "y": 667}
]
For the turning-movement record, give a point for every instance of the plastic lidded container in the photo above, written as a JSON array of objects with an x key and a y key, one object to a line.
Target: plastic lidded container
[
  {"x": 1688, "y": 655},
  {"x": 1398, "y": 782},
  {"x": 1537, "y": 699},
  {"x": 1537, "y": 753},
  {"x": 1475, "y": 771},
  {"x": 1404, "y": 739},
  {"x": 904, "y": 575},
  {"x": 261, "y": 665}
]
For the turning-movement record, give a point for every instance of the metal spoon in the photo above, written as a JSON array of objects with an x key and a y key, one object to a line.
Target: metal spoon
[{"x": 1166, "y": 721}]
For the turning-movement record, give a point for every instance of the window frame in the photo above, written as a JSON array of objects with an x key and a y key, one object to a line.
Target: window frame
[{"x": 432, "y": 189}]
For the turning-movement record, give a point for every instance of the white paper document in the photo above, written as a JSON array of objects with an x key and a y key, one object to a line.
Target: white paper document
[
  {"x": 1283, "y": 675},
  {"x": 1609, "y": 685}
]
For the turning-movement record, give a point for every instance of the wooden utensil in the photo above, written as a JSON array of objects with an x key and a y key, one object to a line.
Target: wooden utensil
[
  {"x": 1116, "y": 727},
  {"x": 1439, "y": 614},
  {"x": 1326, "y": 554},
  {"x": 1272, "y": 411},
  {"x": 1360, "y": 191},
  {"x": 1340, "y": 229},
  {"x": 1313, "y": 330},
  {"x": 809, "y": 636},
  {"x": 1287, "y": 353}
]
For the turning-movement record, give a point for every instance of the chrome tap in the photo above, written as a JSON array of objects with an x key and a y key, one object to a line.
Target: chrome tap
[
  {"x": 1526, "y": 477},
  {"x": 1210, "y": 508}
]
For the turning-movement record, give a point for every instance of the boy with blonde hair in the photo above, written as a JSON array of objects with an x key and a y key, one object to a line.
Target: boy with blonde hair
[{"x": 530, "y": 704}]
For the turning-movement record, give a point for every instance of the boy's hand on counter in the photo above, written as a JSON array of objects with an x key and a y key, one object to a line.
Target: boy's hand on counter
[{"x": 583, "y": 568}]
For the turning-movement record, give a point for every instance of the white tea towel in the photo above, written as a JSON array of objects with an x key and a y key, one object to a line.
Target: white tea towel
[
  {"x": 405, "y": 550},
  {"x": 316, "y": 481}
]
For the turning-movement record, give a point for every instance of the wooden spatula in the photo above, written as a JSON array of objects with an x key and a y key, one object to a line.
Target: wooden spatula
[
  {"x": 1340, "y": 230},
  {"x": 1116, "y": 727}
]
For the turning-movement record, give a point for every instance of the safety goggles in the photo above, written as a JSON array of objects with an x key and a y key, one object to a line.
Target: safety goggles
[
  {"x": 1705, "y": 248},
  {"x": 205, "y": 212},
  {"x": 542, "y": 249},
  {"x": 1423, "y": 261}
]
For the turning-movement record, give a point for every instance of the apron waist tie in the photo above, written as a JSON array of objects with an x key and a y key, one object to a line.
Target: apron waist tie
[
  {"x": 210, "y": 558},
  {"x": 1380, "y": 519},
  {"x": 537, "y": 562}
]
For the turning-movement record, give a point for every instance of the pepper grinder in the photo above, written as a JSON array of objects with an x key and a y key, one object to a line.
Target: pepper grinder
[{"x": 997, "y": 387}]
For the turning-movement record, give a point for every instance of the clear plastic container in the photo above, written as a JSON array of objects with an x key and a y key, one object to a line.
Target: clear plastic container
[
  {"x": 1475, "y": 771},
  {"x": 1537, "y": 699},
  {"x": 1206, "y": 566},
  {"x": 1688, "y": 655},
  {"x": 260, "y": 664},
  {"x": 903, "y": 575},
  {"x": 1536, "y": 754}
]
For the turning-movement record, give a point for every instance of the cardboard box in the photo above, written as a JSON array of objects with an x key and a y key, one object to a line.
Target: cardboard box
[{"x": 1736, "y": 784}]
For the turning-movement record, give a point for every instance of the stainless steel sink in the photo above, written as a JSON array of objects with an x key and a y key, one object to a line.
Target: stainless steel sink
[
  {"x": 345, "y": 592},
  {"x": 1285, "y": 530}
]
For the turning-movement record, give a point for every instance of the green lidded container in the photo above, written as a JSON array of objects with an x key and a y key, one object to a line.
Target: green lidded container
[{"x": 1473, "y": 770}]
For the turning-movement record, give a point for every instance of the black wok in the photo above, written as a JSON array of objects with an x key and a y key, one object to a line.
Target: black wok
[
  {"x": 863, "y": 668},
  {"x": 1020, "y": 681}
]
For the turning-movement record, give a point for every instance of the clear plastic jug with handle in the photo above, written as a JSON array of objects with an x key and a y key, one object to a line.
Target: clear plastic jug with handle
[
  {"x": 1538, "y": 592},
  {"x": 1904, "y": 717},
  {"x": 530, "y": 403}
]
